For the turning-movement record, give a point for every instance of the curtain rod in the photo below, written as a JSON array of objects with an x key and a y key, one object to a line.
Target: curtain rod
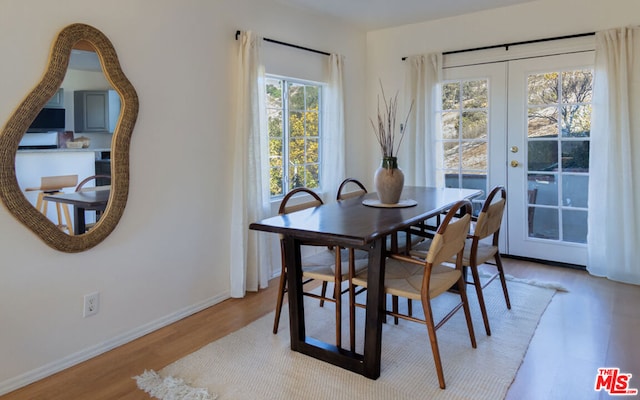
[
  {"x": 295, "y": 46},
  {"x": 507, "y": 45}
]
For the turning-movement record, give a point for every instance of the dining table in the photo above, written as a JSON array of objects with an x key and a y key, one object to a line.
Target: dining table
[
  {"x": 82, "y": 201},
  {"x": 362, "y": 223}
]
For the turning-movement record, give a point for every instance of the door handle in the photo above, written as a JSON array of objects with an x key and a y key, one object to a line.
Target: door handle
[{"x": 514, "y": 163}]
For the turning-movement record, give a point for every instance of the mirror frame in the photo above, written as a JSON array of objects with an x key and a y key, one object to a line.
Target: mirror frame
[{"x": 10, "y": 193}]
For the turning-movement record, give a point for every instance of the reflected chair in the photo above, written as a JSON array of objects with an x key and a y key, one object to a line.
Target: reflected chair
[
  {"x": 81, "y": 186},
  {"x": 425, "y": 279},
  {"x": 100, "y": 178},
  {"x": 326, "y": 265},
  {"x": 50, "y": 185}
]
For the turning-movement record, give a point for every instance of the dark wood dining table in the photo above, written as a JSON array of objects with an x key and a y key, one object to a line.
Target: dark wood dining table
[
  {"x": 81, "y": 202},
  {"x": 350, "y": 223}
]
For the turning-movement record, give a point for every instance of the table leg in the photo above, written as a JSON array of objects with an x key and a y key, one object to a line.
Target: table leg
[
  {"x": 375, "y": 309},
  {"x": 294, "y": 290},
  {"x": 79, "y": 225}
]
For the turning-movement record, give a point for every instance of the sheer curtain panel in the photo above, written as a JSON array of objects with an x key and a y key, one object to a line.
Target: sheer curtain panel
[
  {"x": 418, "y": 159},
  {"x": 332, "y": 157},
  {"x": 614, "y": 167},
  {"x": 250, "y": 202}
]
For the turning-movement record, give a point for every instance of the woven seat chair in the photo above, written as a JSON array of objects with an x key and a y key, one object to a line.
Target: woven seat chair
[
  {"x": 326, "y": 265},
  {"x": 53, "y": 185},
  {"x": 478, "y": 251},
  {"x": 425, "y": 279}
]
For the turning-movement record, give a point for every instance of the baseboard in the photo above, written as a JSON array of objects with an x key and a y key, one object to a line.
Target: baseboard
[{"x": 49, "y": 369}]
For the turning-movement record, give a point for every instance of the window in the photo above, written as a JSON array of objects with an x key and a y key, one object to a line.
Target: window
[
  {"x": 294, "y": 134},
  {"x": 464, "y": 120}
]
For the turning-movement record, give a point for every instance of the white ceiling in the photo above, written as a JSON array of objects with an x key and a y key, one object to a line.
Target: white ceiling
[{"x": 379, "y": 14}]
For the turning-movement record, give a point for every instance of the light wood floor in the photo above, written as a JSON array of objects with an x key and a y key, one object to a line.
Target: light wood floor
[{"x": 596, "y": 324}]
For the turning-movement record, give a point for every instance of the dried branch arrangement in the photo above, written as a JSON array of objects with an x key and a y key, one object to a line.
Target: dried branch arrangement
[{"x": 385, "y": 129}]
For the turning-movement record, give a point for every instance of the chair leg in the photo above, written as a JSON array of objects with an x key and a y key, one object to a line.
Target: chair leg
[
  {"x": 352, "y": 301},
  {"x": 324, "y": 293},
  {"x": 282, "y": 288},
  {"x": 467, "y": 311},
  {"x": 67, "y": 217},
  {"x": 428, "y": 317},
  {"x": 483, "y": 308},
  {"x": 39, "y": 203},
  {"x": 394, "y": 306},
  {"x": 502, "y": 279}
]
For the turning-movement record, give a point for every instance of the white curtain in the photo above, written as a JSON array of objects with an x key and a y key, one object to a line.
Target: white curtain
[
  {"x": 332, "y": 149},
  {"x": 418, "y": 157},
  {"x": 614, "y": 166},
  {"x": 250, "y": 201}
]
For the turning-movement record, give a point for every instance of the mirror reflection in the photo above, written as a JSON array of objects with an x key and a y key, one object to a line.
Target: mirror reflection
[
  {"x": 67, "y": 148},
  {"x": 94, "y": 132}
]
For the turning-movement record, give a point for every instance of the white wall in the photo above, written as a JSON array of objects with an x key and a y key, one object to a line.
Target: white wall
[
  {"x": 529, "y": 21},
  {"x": 169, "y": 255}
]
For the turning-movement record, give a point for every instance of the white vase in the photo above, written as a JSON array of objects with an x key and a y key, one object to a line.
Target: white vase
[{"x": 389, "y": 181}]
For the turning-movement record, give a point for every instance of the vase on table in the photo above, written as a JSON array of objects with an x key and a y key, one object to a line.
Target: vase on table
[{"x": 389, "y": 181}]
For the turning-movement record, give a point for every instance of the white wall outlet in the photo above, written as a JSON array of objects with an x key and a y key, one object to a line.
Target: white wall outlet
[{"x": 91, "y": 304}]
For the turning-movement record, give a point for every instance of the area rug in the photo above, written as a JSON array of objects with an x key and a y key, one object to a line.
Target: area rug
[{"x": 253, "y": 363}]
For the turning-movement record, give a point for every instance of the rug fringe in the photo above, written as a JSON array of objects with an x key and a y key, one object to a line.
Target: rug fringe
[
  {"x": 532, "y": 282},
  {"x": 170, "y": 388},
  {"x": 535, "y": 282}
]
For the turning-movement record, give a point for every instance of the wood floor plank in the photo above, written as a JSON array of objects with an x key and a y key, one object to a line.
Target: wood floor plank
[{"x": 595, "y": 323}]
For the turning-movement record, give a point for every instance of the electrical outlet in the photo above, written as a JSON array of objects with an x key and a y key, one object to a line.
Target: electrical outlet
[{"x": 91, "y": 304}]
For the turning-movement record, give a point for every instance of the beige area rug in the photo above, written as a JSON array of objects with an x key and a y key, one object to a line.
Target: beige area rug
[{"x": 253, "y": 363}]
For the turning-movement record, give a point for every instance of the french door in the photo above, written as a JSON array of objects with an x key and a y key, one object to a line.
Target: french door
[{"x": 538, "y": 114}]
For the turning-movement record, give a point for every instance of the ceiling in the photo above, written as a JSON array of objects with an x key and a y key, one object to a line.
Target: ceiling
[{"x": 379, "y": 14}]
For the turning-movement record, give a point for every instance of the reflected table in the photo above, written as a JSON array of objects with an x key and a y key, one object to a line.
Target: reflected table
[
  {"x": 349, "y": 223},
  {"x": 81, "y": 202}
]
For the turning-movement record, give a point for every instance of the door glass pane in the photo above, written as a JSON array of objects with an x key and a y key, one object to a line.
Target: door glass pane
[
  {"x": 574, "y": 190},
  {"x": 545, "y": 189},
  {"x": 474, "y": 156},
  {"x": 543, "y": 88},
  {"x": 476, "y": 181},
  {"x": 575, "y": 156},
  {"x": 451, "y": 179},
  {"x": 450, "y": 125},
  {"x": 577, "y": 86},
  {"x": 474, "y": 94},
  {"x": 451, "y": 96},
  {"x": 574, "y": 226},
  {"x": 451, "y": 156},
  {"x": 542, "y": 122},
  {"x": 543, "y": 155},
  {"x": 543, "y": 223},
  {"x": 576, "y": 121},
  {"x": 474, "y": 125}
]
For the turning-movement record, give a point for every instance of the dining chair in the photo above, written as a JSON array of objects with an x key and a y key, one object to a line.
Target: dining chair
[
  {"x": 326, "y": 265},
  {"x": 398, "y": 243},
  {"x": 100, "y": 178},
  {"x": 54, "y": 185},
  {"x": 478, "y": 250},
  {"x": 404, "y": 238},
  {"x": 425, "y": 279}
]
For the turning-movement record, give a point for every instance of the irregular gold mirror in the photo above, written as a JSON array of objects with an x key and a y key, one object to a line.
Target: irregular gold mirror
[{"x": 12, "y": 133}]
